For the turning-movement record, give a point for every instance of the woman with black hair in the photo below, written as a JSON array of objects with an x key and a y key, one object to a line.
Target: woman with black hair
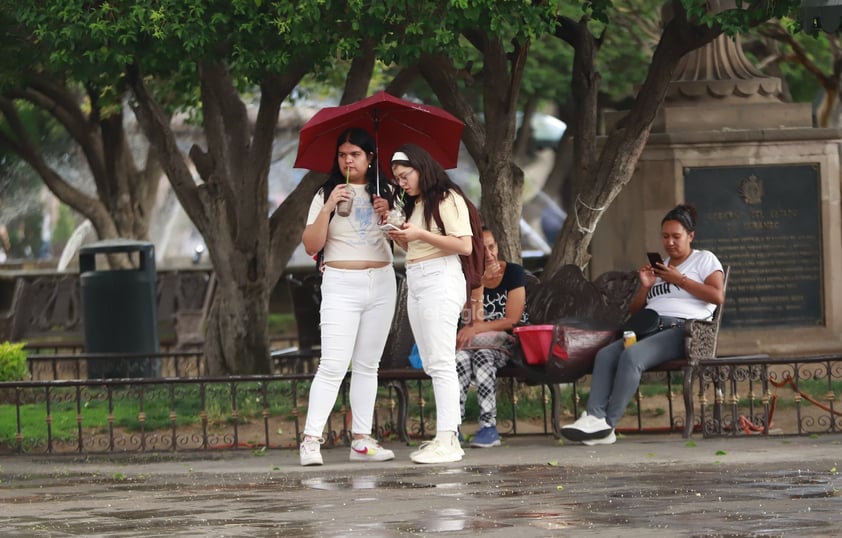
[
  {"x": 436, "y": 232},
  {"x": 687, "y": 285},
  {"x": 358, "y": 295}
]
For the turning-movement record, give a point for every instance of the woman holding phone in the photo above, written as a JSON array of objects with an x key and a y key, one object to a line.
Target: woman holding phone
[
  {"x": 687, "y": 285},
  {"x": 436, "y": 232}
]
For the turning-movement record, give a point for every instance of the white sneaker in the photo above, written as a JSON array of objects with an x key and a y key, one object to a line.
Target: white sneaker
[
  {"x": 439, "y": 451},
  {"x": 587, "y": 428},
  {"x": 610, "y": 439},
  {"x": 367, "y": 449},
  {"x": 310, "y": 451}
]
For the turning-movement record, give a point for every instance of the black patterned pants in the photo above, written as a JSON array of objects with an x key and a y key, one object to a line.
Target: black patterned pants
[{"x": 480, "y": 365}]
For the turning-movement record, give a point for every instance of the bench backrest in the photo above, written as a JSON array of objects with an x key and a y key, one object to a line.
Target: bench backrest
[
  {"x": 569, "y": 294},
  {"x": 718, "y": 312},
  {"x": 306, "y": 295}
]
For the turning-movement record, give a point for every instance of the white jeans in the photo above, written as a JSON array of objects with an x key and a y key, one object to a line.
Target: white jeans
[
  {"x": 356, "y": 315},
  {"x": 435, "y": 297}
]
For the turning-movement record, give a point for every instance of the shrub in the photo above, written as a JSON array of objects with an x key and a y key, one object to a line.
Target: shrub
[{"x": 13, "y": 362}]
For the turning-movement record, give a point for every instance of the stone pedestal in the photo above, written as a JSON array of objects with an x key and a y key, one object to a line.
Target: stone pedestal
[{"x": 708, "y": 130}]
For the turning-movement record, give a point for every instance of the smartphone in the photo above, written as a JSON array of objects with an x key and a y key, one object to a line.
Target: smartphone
[
  {"x": 654, "y": 258},
  {"x": 389, "y": 227}
]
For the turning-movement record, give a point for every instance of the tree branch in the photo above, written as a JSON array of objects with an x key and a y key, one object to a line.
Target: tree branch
[
  {"x": 156, "y": 126},
  {"x": 60, "y": 104},
  {"x": 92, "y": 208},
  {"x": 440, "y": 74}
]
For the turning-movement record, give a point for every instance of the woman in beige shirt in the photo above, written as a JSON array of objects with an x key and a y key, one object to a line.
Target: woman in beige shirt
[{"x": 437, "y": 231}]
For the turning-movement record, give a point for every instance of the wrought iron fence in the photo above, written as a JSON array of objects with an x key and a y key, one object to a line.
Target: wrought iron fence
[
  {"x": 788, "y": 396},
  {"x": 61, "y": 411},
  {"x": 174, "y": 414}
]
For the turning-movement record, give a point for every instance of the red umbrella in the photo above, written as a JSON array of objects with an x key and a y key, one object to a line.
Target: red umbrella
[{"x": 392, "y": 121}]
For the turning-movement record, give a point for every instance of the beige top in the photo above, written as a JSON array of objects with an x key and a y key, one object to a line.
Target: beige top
[{"x": 454, "y": 216}]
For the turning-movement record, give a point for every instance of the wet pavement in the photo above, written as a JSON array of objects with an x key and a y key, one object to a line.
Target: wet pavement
[{"x": 644, "y": 485}]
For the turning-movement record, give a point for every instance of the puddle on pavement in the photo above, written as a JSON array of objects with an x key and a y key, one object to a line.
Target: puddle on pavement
[
  {"x": 359, "y": 482},
  {"x": 637, "y": 500},
  {"x": 450, "y": 520}
]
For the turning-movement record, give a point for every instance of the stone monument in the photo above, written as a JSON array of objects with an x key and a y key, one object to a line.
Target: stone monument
[{"x": 766, "y": 184}]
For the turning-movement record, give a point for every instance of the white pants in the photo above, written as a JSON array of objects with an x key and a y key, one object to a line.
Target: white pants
[
  {"x": 435, "y": 297},
  {"x": 356, "y": 315}
]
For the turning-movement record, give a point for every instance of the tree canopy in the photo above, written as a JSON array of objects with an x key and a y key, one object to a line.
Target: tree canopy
[{"x": 483, "y": 60}]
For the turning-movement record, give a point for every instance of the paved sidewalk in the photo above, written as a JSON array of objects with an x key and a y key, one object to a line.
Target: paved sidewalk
[{"x": 531, "y": 486}]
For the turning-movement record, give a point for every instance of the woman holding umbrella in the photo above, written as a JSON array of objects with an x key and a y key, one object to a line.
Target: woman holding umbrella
[
  {"x": 437, "y": 231},
  {"x": 358, "y": 295}
]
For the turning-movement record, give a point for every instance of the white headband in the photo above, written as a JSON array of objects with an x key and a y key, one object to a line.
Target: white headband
[{"x": 400, "y": 156}]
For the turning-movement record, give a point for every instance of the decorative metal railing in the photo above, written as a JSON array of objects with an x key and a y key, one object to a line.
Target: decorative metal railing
[
  {"x": 61, "y": 412},
  {"x": 172, "y": 414},
  {"x": 770, "y": 395}
]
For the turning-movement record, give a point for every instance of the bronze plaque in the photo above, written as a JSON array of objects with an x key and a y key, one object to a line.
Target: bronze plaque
[{"x": 765, "y": 222}]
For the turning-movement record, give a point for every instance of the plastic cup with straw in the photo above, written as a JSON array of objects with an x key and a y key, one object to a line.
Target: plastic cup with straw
[
  {"x": 396, "y": 216},
  {"x": 343, "y": 208}
]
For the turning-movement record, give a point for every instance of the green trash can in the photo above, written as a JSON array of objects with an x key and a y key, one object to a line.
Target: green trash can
[{"x": 120, "y": 309}]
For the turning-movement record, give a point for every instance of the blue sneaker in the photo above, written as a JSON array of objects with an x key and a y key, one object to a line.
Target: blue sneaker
[{"x": 486, "y": 437}]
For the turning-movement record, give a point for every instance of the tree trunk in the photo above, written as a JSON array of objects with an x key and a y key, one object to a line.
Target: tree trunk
[
  {"x": 230, "y": 208},
  {"x": 236, "y": 336},
  {"x": 125, "y": 195},
  {"x": 493, "y": 151},
  {"x": 522, "y": 148},
  {"x": 601, "y": 175}
]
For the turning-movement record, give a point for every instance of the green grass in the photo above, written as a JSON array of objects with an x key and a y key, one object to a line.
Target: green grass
[{"x": 282, "y": 323}]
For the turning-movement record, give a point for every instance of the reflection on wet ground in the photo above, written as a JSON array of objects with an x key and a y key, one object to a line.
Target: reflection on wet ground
[{"x": 602, "y": 493}]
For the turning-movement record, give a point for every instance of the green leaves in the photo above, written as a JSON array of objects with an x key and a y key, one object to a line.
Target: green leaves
[{"x": 13, "y": 362}]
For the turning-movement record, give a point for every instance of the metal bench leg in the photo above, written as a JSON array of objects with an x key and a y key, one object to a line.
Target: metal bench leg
[
  {"x": 403, "y": 408},
  {"x": 555, "y": 402},
  {"x": 689, "y": 414}
]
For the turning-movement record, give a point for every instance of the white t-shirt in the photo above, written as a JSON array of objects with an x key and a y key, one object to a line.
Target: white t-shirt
[
  {"x": 454, "y": 215},
  {"x": 670, "y": 300},
  {"x": 355, "y": 237}
]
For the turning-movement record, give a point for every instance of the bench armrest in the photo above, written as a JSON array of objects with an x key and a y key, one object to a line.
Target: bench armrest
[{"x": 700, "y": 340}]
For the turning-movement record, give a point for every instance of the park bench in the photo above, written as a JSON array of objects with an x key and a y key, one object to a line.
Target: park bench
[
  {"x": 700, "y": 345},
  {"x": 567, "y": 294},
  {"x": 45, "y": 309}
]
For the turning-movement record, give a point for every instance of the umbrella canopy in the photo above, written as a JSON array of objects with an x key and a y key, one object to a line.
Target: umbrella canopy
[{"x": 391, "y": 121}]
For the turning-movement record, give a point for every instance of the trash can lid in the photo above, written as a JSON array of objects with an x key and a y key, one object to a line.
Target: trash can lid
[{"x": 108, "y": 246}]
